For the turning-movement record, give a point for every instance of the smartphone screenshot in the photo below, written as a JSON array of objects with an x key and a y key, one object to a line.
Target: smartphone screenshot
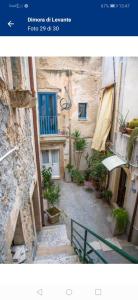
[{"x": 68, "y": 150}]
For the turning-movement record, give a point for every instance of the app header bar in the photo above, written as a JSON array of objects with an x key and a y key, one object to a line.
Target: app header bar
[{"x": 69, "y": 18}]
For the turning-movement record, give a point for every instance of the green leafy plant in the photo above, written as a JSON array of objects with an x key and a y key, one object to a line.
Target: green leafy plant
[
  {"x": 132, "y": 124},
  {"x": 122, "y": 121},
  {"x": 121, "y": 216},
  {"x": 96, "y": 156},
  {"x": 69, "y": 167},
  {"x": 47, "y": 177},
  {"x": 76, "y": 134},
  {"x": 52, "y": 193},
  {"x": 96, "y": 171},
  {"x": 107, "y": 195},
  {"x": 80, "y": 144},
  {"x": 87, "y": 174},
  {"x": 131, "y": 143},
  {"x": 77, "y": 177}
]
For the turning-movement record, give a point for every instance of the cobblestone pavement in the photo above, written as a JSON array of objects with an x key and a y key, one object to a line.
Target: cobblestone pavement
[{"x": 82, "y": 206}]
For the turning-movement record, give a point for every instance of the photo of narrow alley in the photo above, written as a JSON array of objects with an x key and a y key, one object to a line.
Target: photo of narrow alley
[{"x": 68, "y": 160}]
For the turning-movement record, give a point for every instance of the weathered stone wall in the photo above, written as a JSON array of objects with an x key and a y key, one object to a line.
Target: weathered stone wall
[
  {"x": 17, "y": 174},
  {"x": 82, "y": 76}
]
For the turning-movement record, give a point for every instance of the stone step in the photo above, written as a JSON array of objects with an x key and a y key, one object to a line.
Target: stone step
[
  {"x": 42, "y": 250},
  {"x": 57, "y": 259},
  {"x": 54, "y": 246},
  {"x": 53, "y": 236}
]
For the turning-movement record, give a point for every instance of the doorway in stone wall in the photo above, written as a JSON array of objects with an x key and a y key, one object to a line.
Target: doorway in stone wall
[
  {"x": 18, "y": 248},
  {"x": 122, "y": 188},
  {"x": 50, "y": 158}
]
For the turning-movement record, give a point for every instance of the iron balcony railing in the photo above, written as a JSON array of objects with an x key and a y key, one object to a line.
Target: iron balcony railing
[
  {"x": 48, "y": 125},
  {"x": 84, "y": 248}
]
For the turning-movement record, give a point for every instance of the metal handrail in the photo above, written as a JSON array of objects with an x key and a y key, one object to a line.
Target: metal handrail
[{"x": 86, "y": 243}]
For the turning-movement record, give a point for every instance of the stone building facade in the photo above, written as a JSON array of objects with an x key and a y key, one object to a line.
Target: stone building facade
[
  {"x": 123, "y": 72},
  {"x": 20, "y": 191},
  {"x": 73, "y": 81}
]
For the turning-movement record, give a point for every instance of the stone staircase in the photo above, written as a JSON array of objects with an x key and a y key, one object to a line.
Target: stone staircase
[{"x": 54, "y": 247}]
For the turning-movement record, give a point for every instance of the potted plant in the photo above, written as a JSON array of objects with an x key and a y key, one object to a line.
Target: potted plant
[
  {"x": 98, "y": 194},
  {"x": 47, "y": 177},
  {"x": 77, "y": 177},
  {"x": 68, "y": 170},
  {"x": 80, "y": 144},
  {"x": 123, "y": 123},
  {"x": 107, "y": 195},
  {"x": 132, "y": 125},
  {"x": 98, "y": 175},
  {"x": 87, "y": 179},
  {"x": 131, "y": 143},
  {"x": 96, "y": 171},
  {"x": 52, "y": 194},
  {"x": 120, "y": 221}
]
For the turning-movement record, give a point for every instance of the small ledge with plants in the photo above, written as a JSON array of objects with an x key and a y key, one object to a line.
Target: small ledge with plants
[
  {"x": 127, "y": 127},
  {"x": 127, "y": 146}
]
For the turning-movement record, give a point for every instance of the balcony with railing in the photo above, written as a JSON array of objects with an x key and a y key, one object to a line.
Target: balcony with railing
[
  {"x": 50, "y": 130},
  {"x": 48, "y": 125}
]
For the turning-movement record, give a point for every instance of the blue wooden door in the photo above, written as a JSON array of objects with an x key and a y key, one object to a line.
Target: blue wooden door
[{"x": 48, "y": 113}]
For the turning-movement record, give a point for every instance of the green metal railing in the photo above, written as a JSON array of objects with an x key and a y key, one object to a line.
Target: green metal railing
[{"x": 84, "y": 249}]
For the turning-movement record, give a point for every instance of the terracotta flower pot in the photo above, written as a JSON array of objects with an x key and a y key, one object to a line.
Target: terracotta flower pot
[
  {"x": 129, "y": 130},
  {"x": 95, "y": 184},
  {"x": 114, "y": 228},
  {"x": 67, "y": 176},
  {"x": 122, "y": 129}
]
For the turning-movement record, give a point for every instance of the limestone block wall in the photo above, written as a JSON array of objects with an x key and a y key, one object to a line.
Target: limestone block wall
[
  {"x": 82, "y": 78},
  {"x": 17, "y": 173}
]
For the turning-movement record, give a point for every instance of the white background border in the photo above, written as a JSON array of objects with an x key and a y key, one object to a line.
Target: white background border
[{"x": 68, "y": 46}]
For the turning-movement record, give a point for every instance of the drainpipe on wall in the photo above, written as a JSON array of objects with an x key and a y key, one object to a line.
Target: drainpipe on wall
[{"x": 34, "y": 113}]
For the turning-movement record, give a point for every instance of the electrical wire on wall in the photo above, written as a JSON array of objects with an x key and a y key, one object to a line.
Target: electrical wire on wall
[
  {"x": 66, "y": 104},
  {"x": 66, "y": 101}
]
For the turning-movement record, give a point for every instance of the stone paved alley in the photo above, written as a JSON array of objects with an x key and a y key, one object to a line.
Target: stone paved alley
[{"x": 82, "y": 206}]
